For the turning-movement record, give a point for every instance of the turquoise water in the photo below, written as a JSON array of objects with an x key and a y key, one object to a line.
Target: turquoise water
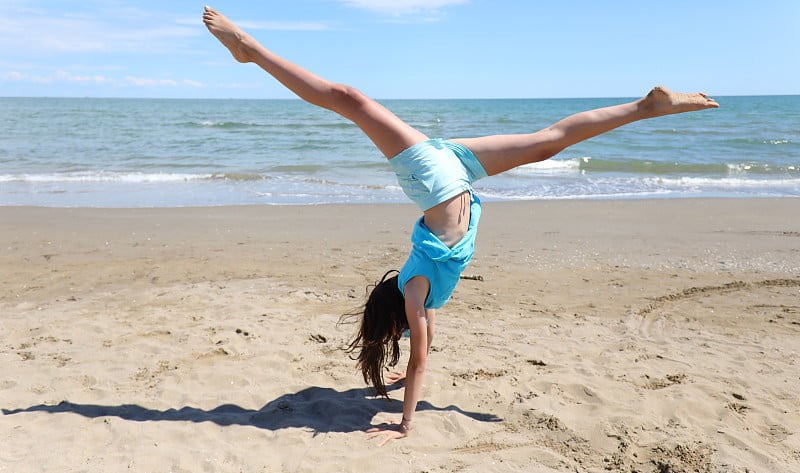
[{"x": 68, "y": 152}]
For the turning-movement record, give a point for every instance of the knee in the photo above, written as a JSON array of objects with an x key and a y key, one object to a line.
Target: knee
[
  {"x": 549, "y": 142},
  {"x": 346, "y": 97}
]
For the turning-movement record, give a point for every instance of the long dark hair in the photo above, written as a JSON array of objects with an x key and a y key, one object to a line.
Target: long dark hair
[{"x": 383, "y": 321}]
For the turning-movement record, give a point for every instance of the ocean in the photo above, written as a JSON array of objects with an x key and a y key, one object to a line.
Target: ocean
[{"x": 91, "y": 152}]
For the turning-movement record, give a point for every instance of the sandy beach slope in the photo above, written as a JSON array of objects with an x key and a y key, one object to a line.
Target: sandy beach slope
[{"x": 644, "y": 336}]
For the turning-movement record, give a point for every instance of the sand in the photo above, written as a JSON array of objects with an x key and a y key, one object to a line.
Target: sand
[{"x": 636, "y": 336}]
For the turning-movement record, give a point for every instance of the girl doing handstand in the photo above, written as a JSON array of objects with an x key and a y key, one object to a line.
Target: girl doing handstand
[{"x": 438, "y": 176}]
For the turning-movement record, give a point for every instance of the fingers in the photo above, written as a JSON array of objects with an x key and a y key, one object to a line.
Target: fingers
[
  {"x": 396, "y": 376},
  {"x": 386, "y": 434}
]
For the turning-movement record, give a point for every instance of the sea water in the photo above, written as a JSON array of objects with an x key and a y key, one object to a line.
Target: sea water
[{"x": 91, "y": 152}]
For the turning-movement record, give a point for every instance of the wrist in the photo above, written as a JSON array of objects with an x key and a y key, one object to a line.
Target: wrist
[{"x": 405, "y": 424}]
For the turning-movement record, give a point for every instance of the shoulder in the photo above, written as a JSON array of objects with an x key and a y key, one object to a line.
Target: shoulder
[{"x": 418, "y": 264}]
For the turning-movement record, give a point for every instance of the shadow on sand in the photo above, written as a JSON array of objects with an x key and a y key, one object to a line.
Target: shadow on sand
[{"x": 320, "y": 410}]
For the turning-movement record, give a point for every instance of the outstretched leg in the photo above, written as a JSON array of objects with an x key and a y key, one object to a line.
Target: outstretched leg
[
  {"x": 390, "y": 134},
  {"x": 500, "y": 153}
]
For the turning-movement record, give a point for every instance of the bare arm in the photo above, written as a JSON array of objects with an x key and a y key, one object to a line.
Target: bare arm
[
  {"x": 431, "y": 322},
  {"x": 400, "y": 375},
  {"x": 416, "y": 291}
]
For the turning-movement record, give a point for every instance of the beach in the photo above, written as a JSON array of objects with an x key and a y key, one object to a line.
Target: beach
[{"x": 587, "y": 335}]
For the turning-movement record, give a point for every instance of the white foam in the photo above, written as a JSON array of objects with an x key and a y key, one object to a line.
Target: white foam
[
  {"x": 730, "y": 182},
  {"x": 87, "y": 177},
  {"x": 551, "y": 166}
]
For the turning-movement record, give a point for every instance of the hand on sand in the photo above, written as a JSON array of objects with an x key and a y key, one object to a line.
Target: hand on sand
[
  {"x": 391, "y": 431},
  {"x": 396, "y": 377}
]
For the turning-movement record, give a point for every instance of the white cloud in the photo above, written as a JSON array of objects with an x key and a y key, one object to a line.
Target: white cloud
[
  {"x": 403, "y": 7},
  {"x": 282, "y": 26},
  {"x": 113, "y": 31},
  {"x": 15, "y": 76},
  {"x": 147, "y": 82},
  {"x": 110, "y": 31},
  {"x": 62, "y": 76},
  {"x": 58, "y": 76},
  {"x": 97, "y": 79}
]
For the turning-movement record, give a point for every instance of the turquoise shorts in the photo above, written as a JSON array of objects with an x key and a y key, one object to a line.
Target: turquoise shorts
[{"x": 436, "y": 170}]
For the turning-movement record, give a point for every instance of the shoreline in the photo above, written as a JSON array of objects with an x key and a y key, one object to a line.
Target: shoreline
[
  {"x": 403, "y": 200},
  {"x": 484, "y": 200},
  {"x": 637, "y": 334}
]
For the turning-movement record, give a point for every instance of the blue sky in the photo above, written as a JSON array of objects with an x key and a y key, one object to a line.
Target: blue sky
[{"x": 405, "y": 48}]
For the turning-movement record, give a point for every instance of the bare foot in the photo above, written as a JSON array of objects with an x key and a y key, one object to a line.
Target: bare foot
[
  {"x": 227, "y": 33},
  {"x": 662, "y": 101}
]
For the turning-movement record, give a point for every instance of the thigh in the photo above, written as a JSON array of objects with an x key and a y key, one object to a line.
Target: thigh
[
  {"x": 499, "y": 153},
  {"x": 389, "y": 133}
]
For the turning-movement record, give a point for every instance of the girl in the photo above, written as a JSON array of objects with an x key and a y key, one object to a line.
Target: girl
[{"x": 438, "y": 176}]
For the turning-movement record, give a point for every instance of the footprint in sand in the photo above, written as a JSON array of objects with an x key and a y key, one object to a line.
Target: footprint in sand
[
  {"x": 665, "y": 382},
  {"x": 694, "y": 292}
]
